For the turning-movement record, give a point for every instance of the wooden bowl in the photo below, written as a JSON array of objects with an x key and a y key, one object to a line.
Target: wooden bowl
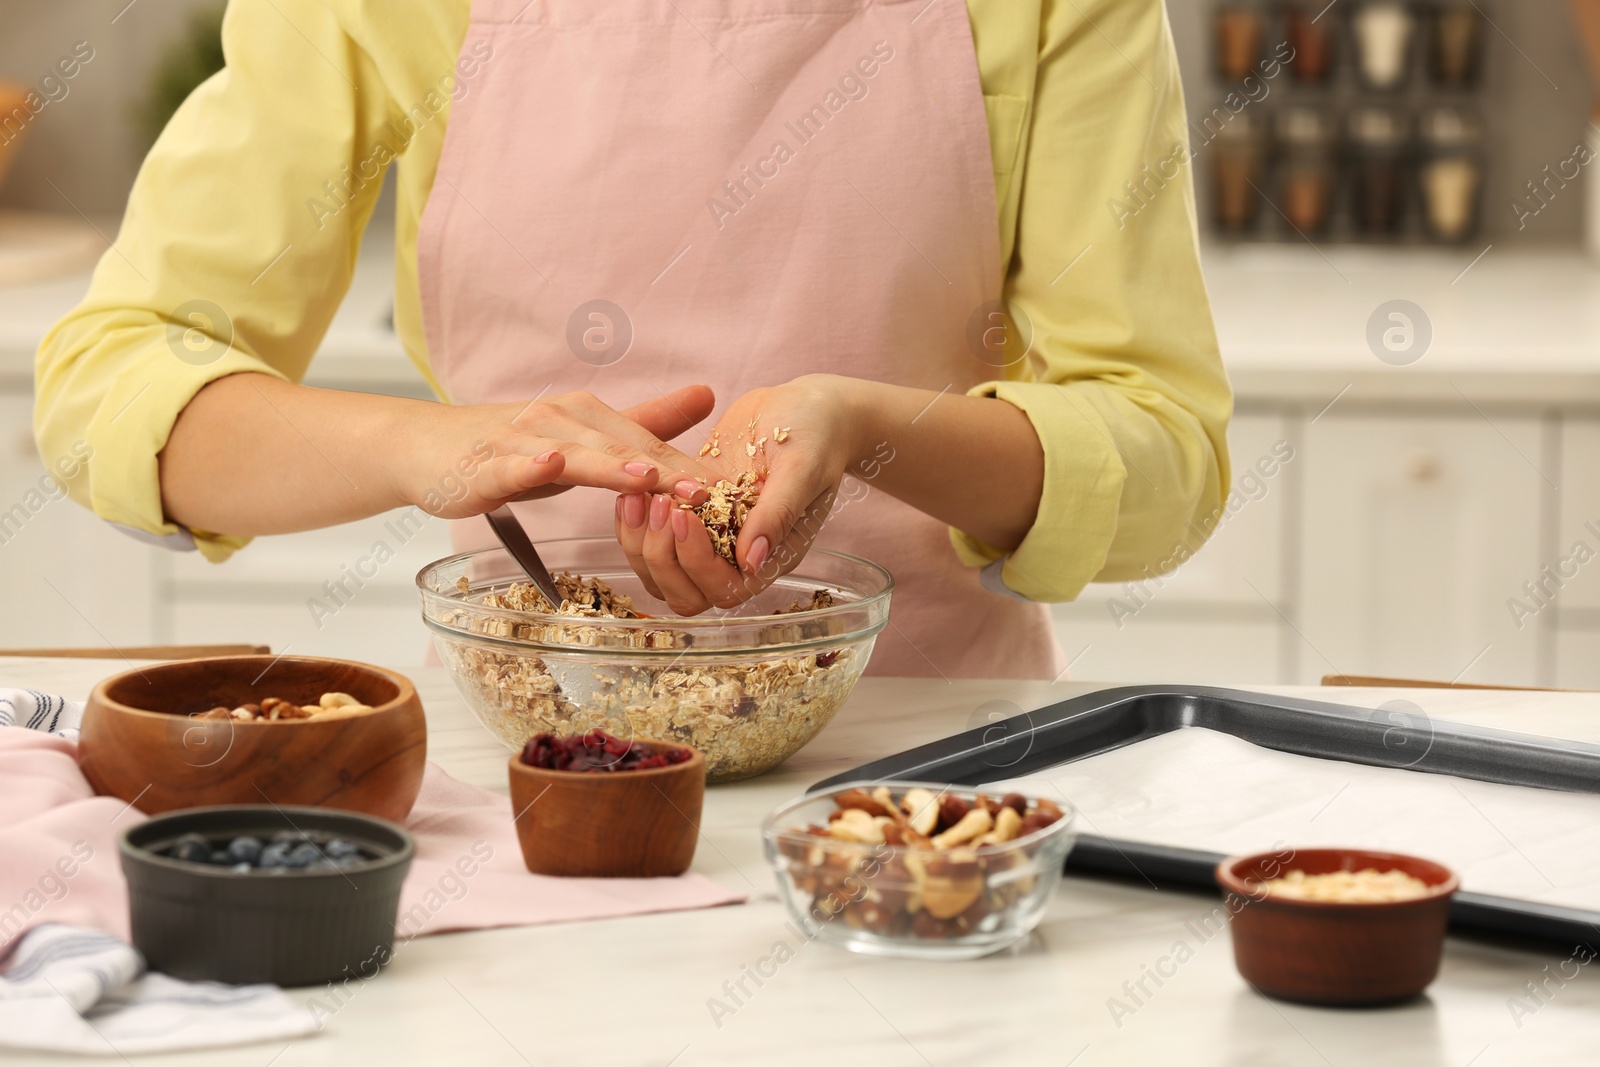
[
  {"x": 139, "y": 743},
  {"x": 609, "y": 824},
  {"x": 1339, "y": 953}
]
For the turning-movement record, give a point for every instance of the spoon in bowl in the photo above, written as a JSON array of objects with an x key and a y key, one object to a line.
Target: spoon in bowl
[
  {"x": 576, "y": 680},
  {"x": 515, "y": 539}
]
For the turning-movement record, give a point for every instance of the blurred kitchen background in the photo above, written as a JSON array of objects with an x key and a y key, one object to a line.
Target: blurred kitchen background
[{"x": 1395, "y": 228}]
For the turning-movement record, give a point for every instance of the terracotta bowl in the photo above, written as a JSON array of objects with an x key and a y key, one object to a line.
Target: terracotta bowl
[
  {"x": 608, "y": 824},
  {"x": 1323, "y": 952},
  {"x": 139, "y": 743}
]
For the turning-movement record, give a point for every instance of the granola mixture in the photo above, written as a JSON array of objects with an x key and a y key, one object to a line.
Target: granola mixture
[
  {"x": 724, "y": 511},
  {"x": 745, "y": 713}
]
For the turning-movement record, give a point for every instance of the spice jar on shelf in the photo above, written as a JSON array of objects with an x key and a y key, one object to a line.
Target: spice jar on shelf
[
  {"x": 1378, "y": 148},
  {"x": 1312, "y": 31},
  {"x": 1307, "y": 139},
  {"x": 1455, "y": 45},
  {"x": 1383, "y": 33},
  {"x": 1237, "y": 165},
  {"x": 1239, "y": 31},
  {"x": 1450, "y": 174}
]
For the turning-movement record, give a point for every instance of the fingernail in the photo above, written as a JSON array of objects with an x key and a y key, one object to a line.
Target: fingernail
[
  {"x": 687, "y": 488},
  {"x": 638, "y": 470},
  {"x": 758, "y": 553},
  {"x": 680, "y": 525},
  {"x": 545, "y": 457},
  {"x": 633, "y": 511},
  {"x": 659, "y": 506}
]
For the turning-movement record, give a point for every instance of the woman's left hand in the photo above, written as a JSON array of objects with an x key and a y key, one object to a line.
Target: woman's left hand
[{"x": 670, "y": 549}]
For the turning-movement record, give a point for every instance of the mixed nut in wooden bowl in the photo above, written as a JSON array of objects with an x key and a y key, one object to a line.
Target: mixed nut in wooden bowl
[
  {"x": 745, "y": 688},
  {"x": 917, "y": 869},
  {"x": 255, "y": 730}
]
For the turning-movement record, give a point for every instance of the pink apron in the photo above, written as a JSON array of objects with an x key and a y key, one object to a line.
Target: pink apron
[{"x": 764, "y": 188}]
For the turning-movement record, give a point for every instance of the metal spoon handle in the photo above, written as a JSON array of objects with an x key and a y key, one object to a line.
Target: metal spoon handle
[{"x": 515, "y": 538}]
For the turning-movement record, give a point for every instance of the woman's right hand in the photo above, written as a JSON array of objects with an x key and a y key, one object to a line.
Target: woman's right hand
[{"x": 468, "y": 461}]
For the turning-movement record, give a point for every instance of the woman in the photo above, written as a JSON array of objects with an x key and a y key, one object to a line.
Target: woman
[{"x": 794, "y": 201}]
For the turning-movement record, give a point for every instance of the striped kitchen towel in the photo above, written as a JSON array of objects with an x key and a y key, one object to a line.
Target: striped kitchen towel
[
  {"x": 72, "y": 989},
  {"x": 41, "y": 711}
]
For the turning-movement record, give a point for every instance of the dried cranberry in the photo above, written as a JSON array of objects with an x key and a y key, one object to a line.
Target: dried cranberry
[
  {"x": 825, "y": 659},
  {"x": 597, "y": 751}
]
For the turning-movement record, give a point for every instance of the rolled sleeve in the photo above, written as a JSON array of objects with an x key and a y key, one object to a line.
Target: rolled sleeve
[
  {"x": 1123, "y": 381},
  {"x": 238, "y": 244}
]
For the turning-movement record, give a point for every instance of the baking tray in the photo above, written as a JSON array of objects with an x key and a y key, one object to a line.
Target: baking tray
[{"x": 1085, "y": 726}]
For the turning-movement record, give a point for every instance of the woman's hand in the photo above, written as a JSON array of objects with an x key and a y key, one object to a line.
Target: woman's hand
[
  {"x": 472, "y": 460},
  {"x": 670, "y": 549}
]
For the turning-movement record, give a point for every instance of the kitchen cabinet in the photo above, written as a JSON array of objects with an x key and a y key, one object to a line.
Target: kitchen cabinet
[
  {"x": 319, "y": 593},
  {"x": 1569, "y": 573},
  {"x": 63, "y": 581},
  {"x": 1417, "y": 529}
]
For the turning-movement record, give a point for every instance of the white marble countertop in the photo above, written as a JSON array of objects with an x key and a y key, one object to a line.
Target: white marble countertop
[
  {"x": 1520, "y": 325},
  {"x": 635, "y": 991}
]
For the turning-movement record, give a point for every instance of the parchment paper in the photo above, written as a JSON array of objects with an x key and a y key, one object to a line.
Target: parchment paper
[{"x": 1201, "y": 789}]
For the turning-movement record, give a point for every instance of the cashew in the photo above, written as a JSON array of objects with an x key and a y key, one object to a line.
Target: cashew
[
  {"x": 339, "y": 700},
  {"x": 1006, "y": 825},
  {"x": 856, "y": 825},
  {"x": 922, "y": 808},
  {"x": 884, "y": 797},
  {"x": 918, "y": 868},
  {"x": 332, "y": 713},
  {"x": 973, "y": 824},
  {"x": 953, "y": 885}
]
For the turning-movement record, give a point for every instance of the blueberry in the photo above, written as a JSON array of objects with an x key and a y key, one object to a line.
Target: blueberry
[
  {"x": 288, "y": 837},
  {"x": 344, "y": 863},
  {"x": 240, "y": 868},
  {"x": 219, "y": 856},
  {"x": 304, "y": 854},
  {"x": 274, "y": 855},
  {"x": 321, "y": 863},
  {"x": 340, "y": 847},
  {"x": 191, "y": 848},
  {"x": 244, "y": 849}
]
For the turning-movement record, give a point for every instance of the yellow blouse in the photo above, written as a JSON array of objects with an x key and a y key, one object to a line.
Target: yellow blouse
[{"x": 255, "y": 199}]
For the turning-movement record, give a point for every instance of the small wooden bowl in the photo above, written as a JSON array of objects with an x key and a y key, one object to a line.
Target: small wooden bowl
[
  {"x": 609, "y": 824},
  {"x": 139, "y": 744},
  {"x": 1337, "y": 953}
]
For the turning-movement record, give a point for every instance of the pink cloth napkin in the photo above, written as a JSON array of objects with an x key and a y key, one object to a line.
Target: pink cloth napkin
[{"x": 58, "y": 857}]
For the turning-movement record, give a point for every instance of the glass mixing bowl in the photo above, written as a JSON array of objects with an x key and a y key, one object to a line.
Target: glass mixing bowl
[{"x": 747, "y": 687}]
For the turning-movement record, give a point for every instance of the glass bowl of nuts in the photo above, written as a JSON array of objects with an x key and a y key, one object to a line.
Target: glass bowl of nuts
[
  {"x": 746, "y": 687},
  {"x": 919, "y": 870}
]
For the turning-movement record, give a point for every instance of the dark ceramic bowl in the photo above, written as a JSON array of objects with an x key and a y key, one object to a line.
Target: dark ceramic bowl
[
  {"x": 202, "y": 922},
  {"x": 1328, "y": 952},
  {"x": 609, "y": 824}
]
